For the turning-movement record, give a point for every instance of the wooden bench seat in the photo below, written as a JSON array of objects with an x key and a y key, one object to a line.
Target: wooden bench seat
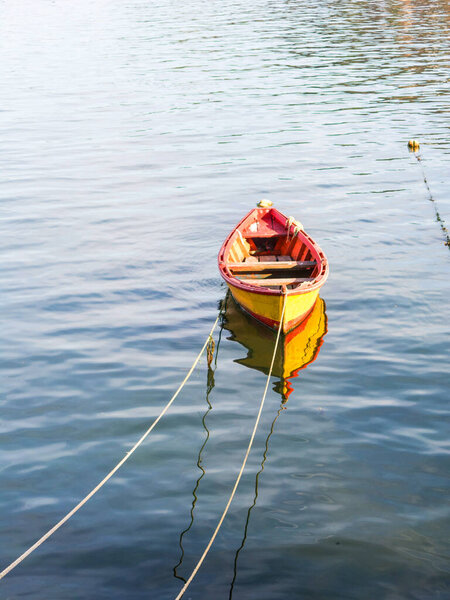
[
  {"x": 275, "y": 282},
  {"x": 258, "y": 267},
  {"x": 267, "y": 258}
]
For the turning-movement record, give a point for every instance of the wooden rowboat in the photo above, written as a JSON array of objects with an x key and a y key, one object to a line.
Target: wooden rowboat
[{"x": 267, "y": 256}]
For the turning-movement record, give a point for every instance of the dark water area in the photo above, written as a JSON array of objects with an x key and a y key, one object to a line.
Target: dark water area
[{"x": 133, "y": 137}]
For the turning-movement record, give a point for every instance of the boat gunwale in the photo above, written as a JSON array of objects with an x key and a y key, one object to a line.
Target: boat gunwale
[{"x": 248, "y": 287}]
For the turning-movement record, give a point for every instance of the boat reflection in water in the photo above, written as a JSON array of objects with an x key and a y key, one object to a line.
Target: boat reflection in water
[{"x": 296, "y": 349}]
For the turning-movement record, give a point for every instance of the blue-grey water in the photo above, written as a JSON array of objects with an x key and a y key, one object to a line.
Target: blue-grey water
[{"x": 133, "y": 136}]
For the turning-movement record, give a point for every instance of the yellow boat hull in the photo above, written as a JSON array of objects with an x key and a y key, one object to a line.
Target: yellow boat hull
[{"x": 268, "y": 308}]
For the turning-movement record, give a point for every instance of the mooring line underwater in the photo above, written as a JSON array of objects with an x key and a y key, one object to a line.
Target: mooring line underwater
[
  {"x": 210, "y": 383},
  {"x": 255, "y": 498},
  {"x": 414, "y": 147},
  {"x": 51, "y": 531},
  {"x": 244, "y": 462}
]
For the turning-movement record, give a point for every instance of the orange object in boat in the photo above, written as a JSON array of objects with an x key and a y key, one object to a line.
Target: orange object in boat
[{"x": 267, "y": 256}]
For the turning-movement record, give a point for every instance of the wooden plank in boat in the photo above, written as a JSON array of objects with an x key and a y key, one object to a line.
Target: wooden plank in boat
[
  {"x": 274, "y": 282},
  {"x": 254, "y": 267},
  {"x": 267, "y": 258}
]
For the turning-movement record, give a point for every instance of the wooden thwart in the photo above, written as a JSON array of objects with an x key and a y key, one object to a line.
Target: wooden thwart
[
  {"x": 254, "y": 267},
  {"x": 274, "y": 282}
]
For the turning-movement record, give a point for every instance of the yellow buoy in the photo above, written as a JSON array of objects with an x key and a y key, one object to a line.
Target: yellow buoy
[
  {"x": 413, "y": 145},
  {"x": 264, "y": 204}
]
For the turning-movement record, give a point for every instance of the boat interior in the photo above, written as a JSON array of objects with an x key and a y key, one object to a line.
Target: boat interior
[{"x": 266, "y": 254}]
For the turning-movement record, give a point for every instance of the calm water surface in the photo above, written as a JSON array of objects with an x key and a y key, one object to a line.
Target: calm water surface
[{"x": 133, "y": 136}]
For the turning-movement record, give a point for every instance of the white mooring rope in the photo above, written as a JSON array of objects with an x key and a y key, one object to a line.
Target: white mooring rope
[
  {"x": 111, "y": 473},
  {"x": 216, "y": 531}
]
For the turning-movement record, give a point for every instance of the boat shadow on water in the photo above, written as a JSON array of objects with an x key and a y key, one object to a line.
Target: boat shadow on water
[{"x": 296, "y": 350}]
